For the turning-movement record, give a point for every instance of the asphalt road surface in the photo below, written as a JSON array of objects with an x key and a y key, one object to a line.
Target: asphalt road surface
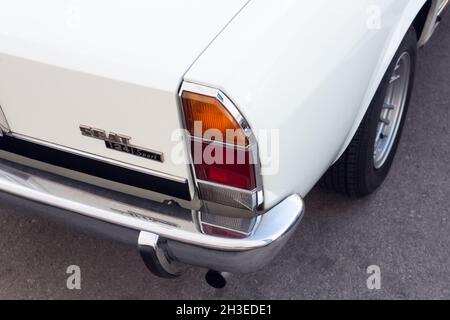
[{"x": 404, "y": 229}]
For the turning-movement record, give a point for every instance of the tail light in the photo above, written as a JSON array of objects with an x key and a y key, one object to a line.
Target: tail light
[{"x": 223, "y": 149}]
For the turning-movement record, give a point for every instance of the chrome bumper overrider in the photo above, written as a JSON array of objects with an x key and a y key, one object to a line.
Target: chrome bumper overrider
[{"x": 167, "y": 234}]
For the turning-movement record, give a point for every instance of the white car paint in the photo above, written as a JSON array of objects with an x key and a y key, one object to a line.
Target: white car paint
[
  {"x": 114, "y": 65},
  {"x": 308, "y": 69}
]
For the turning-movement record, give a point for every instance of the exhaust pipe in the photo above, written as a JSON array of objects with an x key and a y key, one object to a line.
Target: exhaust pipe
[{"x": 216, "y": 279}]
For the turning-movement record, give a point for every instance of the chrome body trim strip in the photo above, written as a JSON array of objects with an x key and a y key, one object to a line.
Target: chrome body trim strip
[
  {"x": 175, "y": 226},
  {"x": 89, "y": 170},
  {"x": 98, "y": 158}
]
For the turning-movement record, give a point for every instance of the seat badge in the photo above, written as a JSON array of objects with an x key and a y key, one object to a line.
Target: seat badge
[{"x": 120, "y": 143}]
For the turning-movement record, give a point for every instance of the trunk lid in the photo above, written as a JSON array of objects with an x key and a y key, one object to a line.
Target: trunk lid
[{"x": 115, "y": 66}]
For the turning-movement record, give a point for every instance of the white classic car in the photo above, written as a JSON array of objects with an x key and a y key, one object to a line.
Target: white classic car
[{"x": 193, "y": 129}]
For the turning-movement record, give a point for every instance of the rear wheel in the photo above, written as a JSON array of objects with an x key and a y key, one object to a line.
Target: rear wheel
[{"x": 367, "y": 161}]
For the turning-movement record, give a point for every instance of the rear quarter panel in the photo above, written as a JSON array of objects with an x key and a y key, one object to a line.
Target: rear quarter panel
[{"x": 307, "y": 70}]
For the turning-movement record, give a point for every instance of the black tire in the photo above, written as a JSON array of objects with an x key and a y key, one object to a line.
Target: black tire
[{"x": 355, "y": 173}]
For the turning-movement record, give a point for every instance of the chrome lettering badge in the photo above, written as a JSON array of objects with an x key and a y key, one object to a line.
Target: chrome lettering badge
[{"x": 120, "y": 143}]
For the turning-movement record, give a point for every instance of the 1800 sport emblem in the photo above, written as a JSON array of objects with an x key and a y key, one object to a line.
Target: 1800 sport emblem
[{"x": 120, "y": 143}]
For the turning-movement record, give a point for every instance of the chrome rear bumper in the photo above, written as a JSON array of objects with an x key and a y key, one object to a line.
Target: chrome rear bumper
[
  {"x": 443, "y": 8},
  {"x": 167, "y": 234}
]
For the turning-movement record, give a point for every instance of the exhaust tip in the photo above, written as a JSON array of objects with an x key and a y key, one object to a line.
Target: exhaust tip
[{"x": 216, "y": 279}]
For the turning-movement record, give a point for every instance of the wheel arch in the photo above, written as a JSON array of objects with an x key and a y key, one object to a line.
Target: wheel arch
[{"x": 409, "y": 17}]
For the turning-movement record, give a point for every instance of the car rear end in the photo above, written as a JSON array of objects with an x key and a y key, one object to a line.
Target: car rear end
[{"x": 101, "y": 125}]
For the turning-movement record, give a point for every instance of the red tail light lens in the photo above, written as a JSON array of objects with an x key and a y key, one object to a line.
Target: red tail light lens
[{"x": 229, "y": 166}]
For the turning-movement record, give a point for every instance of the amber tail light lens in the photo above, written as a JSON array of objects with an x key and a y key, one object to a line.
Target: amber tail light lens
[{"x": 212, "y": 115}]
